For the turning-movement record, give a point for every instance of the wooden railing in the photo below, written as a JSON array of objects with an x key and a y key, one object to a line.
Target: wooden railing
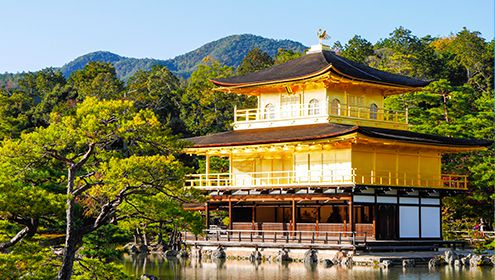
[
  {"x": 279, "y": 236},
  {"x": 280, "y": 113},
  {"x": 303, "y": 179},
  {"x": 378, "y": 114},
  {"x": 304, "y": 111}
]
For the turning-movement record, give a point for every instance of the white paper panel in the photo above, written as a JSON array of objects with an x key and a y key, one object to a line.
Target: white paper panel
[
  {"x": 408, "y": 221},
  {"x": 364, "y": 198},
  {"x": 430, "y": 222},
  {"x": 409, "y": 200},
  {"x": 430, "y": 201},
  {"x": 386, "y": 199}
]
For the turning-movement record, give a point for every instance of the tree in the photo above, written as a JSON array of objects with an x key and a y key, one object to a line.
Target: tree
[
  {"x": 206, "y": 110},
  {"x": 105, "y": 149},
  {"x": 357, "y": 49},
  {"x": 286, "y": 55},
  {"x": 96, "y": 79},
  {"x": 254, "y": 60},
  {"x": 160, "y": 91}
]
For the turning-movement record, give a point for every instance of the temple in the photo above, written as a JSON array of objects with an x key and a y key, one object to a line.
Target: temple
[{"x": 321, "y": 157}]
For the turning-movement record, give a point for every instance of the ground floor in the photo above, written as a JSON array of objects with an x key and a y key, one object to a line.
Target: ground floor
[{"x": 369, "y": 213}]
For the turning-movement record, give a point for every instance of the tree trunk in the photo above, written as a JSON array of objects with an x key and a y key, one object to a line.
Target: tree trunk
[
  {"x": 73, "y": 237},
  {"x": 28, "y": 231}
]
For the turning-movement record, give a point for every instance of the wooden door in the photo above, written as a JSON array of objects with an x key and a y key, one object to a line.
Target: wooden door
[{"x": 386, "y": 222}]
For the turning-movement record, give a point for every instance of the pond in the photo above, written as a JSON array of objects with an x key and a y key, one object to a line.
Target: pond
[{"x": 244, "y": 270}]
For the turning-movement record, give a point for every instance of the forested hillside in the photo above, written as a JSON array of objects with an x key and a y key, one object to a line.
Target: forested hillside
[{"x": 107, "y": 151}]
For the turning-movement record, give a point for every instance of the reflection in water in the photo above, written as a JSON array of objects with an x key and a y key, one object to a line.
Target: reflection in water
[{"x": 244, "y": 270}]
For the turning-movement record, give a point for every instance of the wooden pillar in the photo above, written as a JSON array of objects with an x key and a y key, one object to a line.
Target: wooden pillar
[
  {"x": 351, "y": 215},
  {"x": 207, "y": 170},
  {"x": 294, "y": 216},
  {"x": 207, "y": 218},
  {"x": 230, "y": 214},
  {"x": 253, "y": 217}
]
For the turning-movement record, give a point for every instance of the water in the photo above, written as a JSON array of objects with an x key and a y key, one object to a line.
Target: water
[{"x": 244, "y": 270}]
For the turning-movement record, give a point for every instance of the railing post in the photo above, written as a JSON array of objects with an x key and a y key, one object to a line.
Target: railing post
[
  {"x": 275, "y": 237},
  {"x": 235, "y": 113},
  {"x": 326, "y": 237},
  {"x": 251, "y": 236},
  {"x": 313, "y": 238},
  {"x": 228, "y": 235},
  {"x": 353, "y": 238},
  {"x": 239, "y": 236},
  {"x": 407, "y": 115},
  {"x": 340, "y": 238},
  {"x": 218, "y": 235}
]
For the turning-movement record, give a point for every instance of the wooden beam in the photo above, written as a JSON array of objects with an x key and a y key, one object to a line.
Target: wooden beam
[
  {"x": 207, "y": 207},
  {"x": 278, "y": 197},
  {"x": 294, "y": 216},
  {"x": 230, "y": 214}
]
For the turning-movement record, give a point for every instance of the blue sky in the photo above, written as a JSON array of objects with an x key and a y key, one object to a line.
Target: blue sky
[{"x": 39, "y": 34}]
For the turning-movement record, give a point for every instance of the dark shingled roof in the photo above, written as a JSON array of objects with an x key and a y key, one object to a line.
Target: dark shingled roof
[
  {"x": 322, "y": 131},
  {"x": 314, "y": 64}
]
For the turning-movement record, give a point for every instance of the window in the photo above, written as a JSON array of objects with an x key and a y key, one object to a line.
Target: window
[
  {"x": 373, "y": 111},
  {"x": 313, "y": 107},
  {"x": 289, "y": 104},
  {"x": 335, "y": 107},
  {"x": 269, "y": 111}
]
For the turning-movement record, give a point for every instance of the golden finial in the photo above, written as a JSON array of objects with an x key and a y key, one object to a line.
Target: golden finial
[{"x": 322, "y": 35}]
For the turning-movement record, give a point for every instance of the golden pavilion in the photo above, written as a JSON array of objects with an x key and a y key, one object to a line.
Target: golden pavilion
[{"x": 321, "y": 158}]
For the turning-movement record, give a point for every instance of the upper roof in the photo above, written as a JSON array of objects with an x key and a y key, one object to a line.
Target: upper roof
[
  {"x": 322, "y": 131},
  {"x": 314, "y": 64}
]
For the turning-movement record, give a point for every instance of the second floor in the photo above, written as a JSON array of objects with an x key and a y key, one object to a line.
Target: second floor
[{"x": 353, "y": 106}]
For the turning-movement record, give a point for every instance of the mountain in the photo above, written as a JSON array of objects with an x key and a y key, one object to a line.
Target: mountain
[{"x": 229, "y": 51}]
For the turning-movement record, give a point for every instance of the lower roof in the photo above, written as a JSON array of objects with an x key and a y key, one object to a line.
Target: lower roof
[{"x": 323, "y": 131}]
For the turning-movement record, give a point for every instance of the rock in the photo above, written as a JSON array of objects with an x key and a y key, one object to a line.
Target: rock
[
  {"x": 492, "y": 259},
  {"x": 170, "y": 253},
  {"x": 207, "y": 254},
  {"x": 282, "y": 256},
  {"x": 310, "y": 257},
  {"x": 183, "y": 254},
  {"x": 219, "y": 254},
  {"x": 386, "y": 264},
  {"x": 255, "y": 256},
  {"x": 434, "y": 263},
  {"x": 196, "y": 253},
  {"x": 327, "y": 263},
  {"x": 347, "y": 261},
  {"x": 143, "y": 249},
  {"x": 339, "y": 257},
  {"x": 149, "y": 277},
  {"x": 450, "y": 257},
  {"x": 408, "y": 263},
  {"x": 480, "y": 260}
]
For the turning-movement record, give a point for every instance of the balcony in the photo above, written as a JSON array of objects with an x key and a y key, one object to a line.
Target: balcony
[
  {"x": 303, "y": 114},
  {"x": 331, "y": 178}
]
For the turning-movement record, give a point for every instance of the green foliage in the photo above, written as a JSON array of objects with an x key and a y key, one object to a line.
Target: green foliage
[
  {"x": 90, "y": 269},
  {"x": 254, "y": 60},
  {"x": 205, "y": 110},
  {"x": 160, "y": 91},
  {"x": 357, "y": 49},
  {"x": 286, "y": 55},
  {"x": 103, "y": 244},
  {"x": 29, "y": 261},
  {"x": 96, "y": 79}
]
